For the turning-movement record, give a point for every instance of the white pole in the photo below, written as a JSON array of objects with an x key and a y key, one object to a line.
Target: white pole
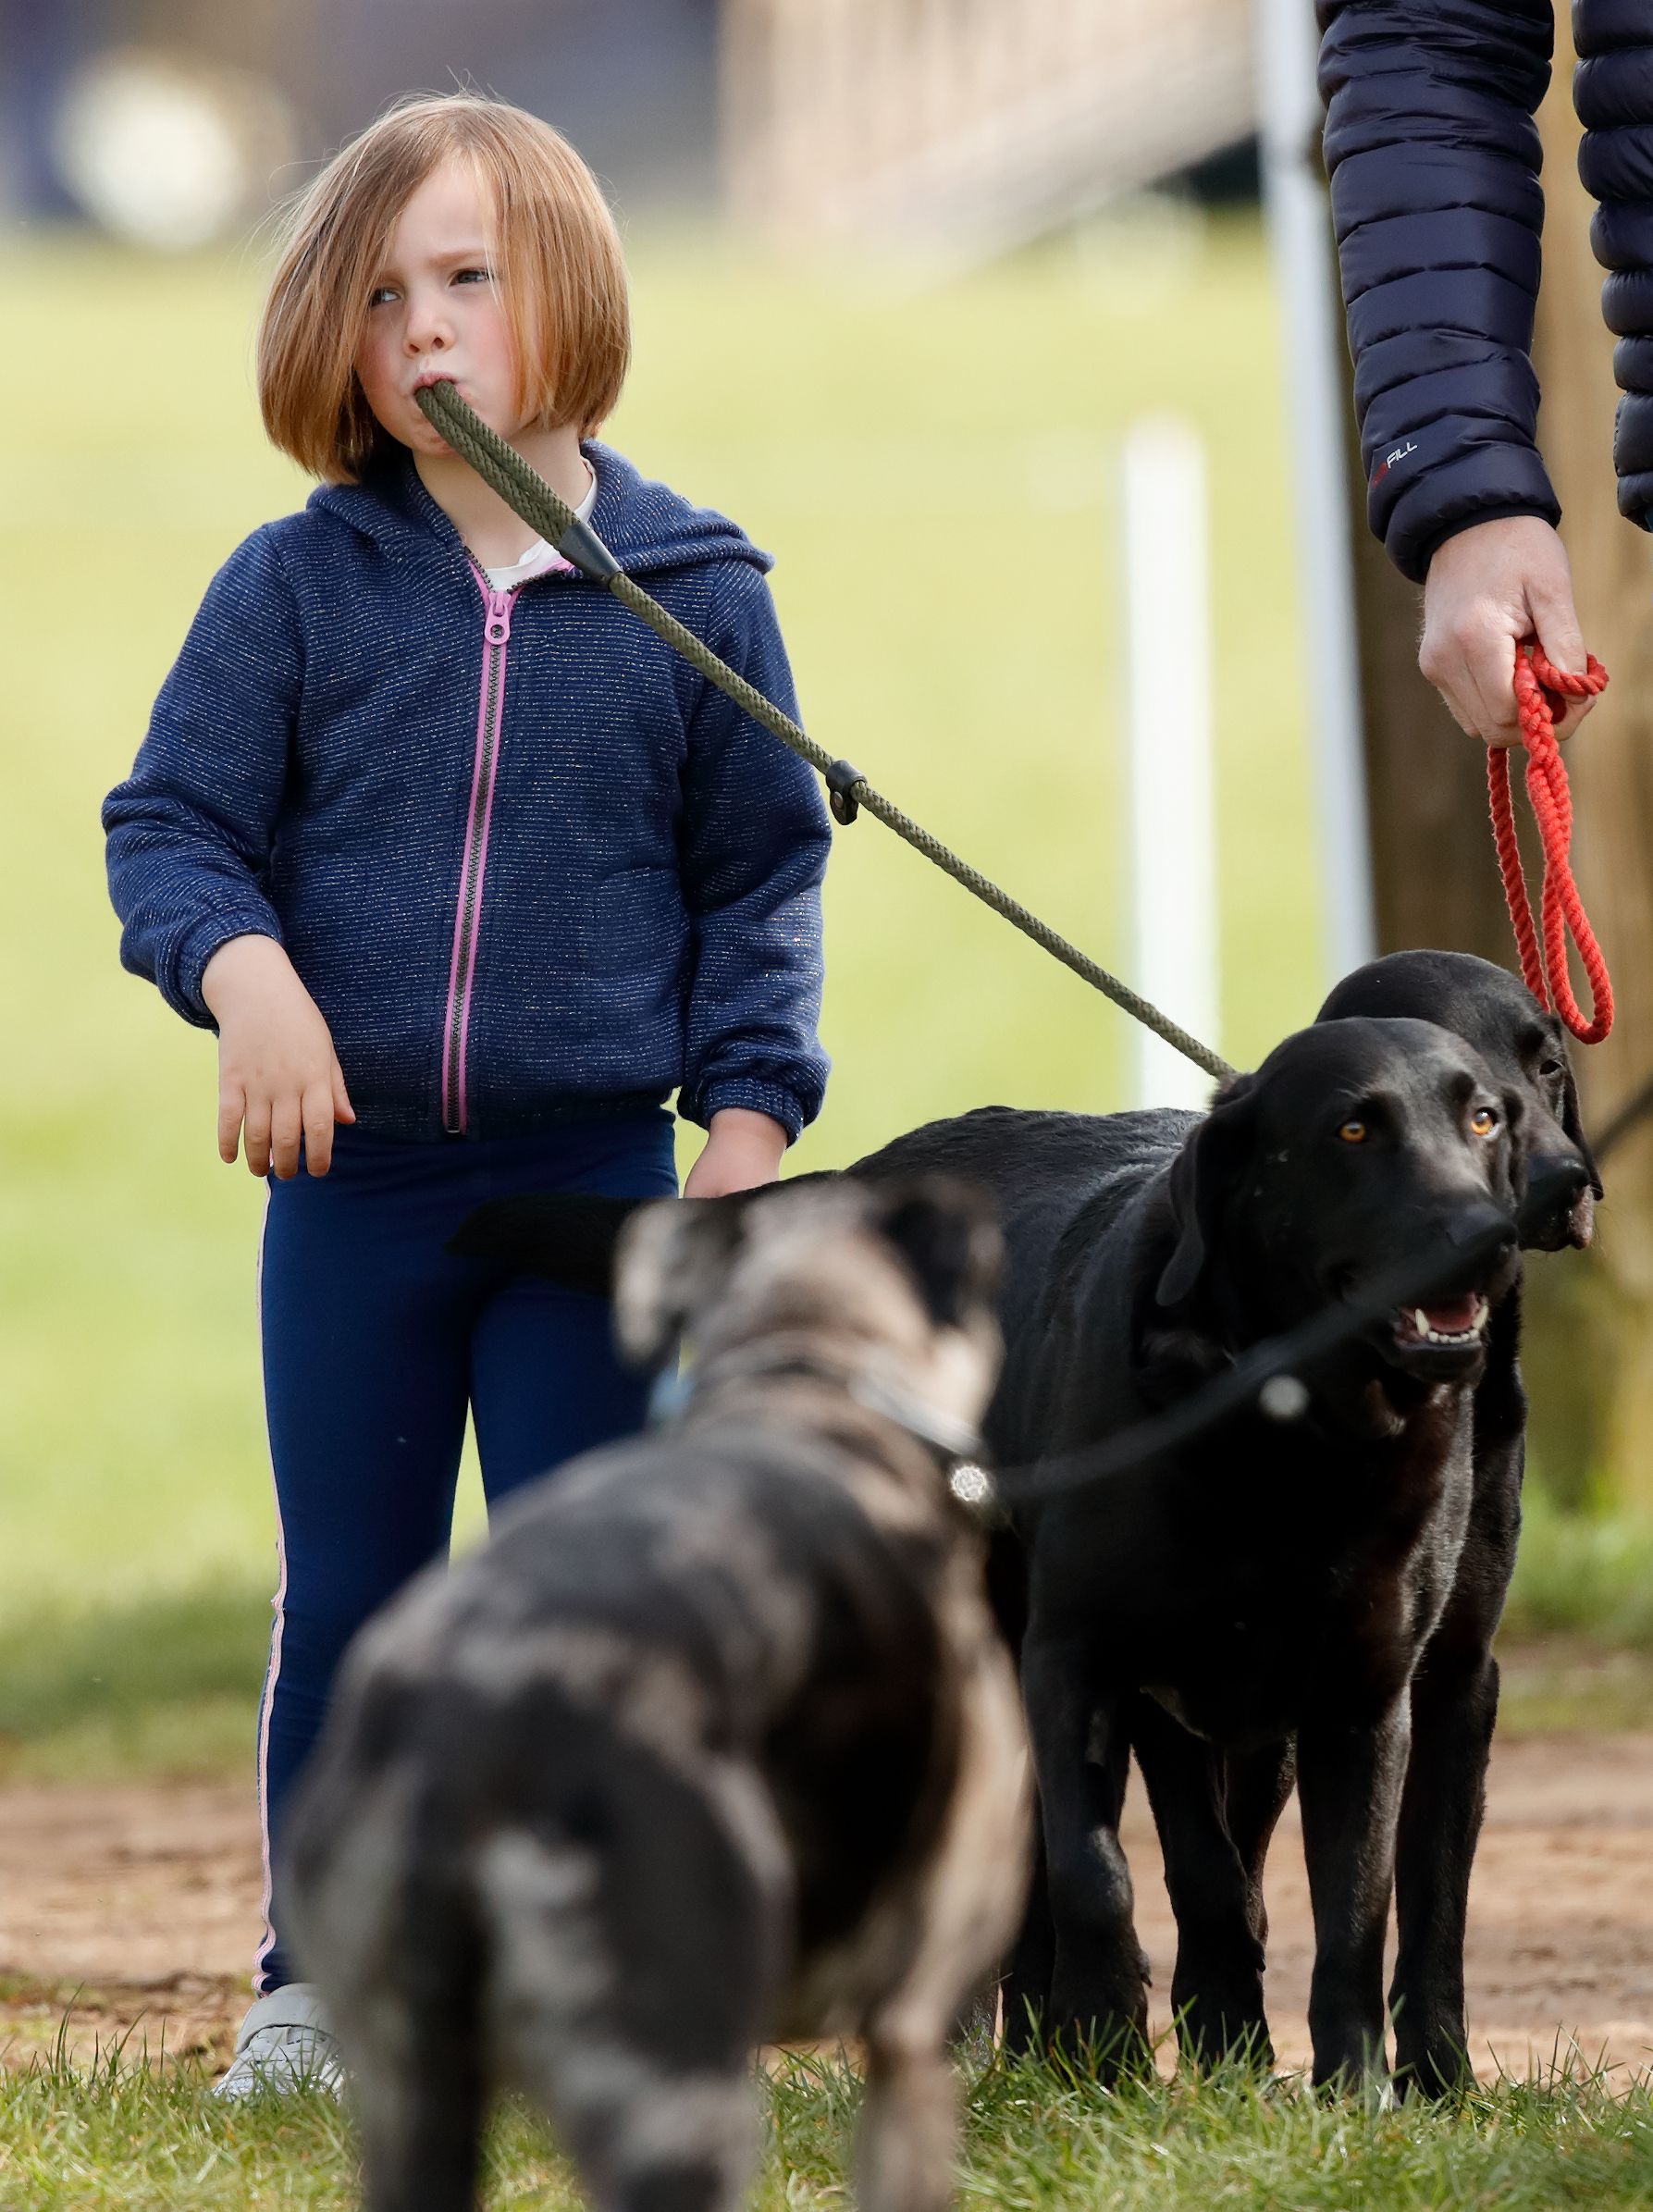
[
  {"x": 1312, "y": 339},
  {"x": 1172, "y": 815}
]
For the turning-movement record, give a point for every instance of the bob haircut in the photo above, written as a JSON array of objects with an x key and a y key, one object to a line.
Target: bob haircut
[{"x": 553, "y": 243}]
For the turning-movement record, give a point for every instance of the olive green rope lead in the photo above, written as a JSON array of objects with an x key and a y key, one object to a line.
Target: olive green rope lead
[{"x": 529, "y": 495}]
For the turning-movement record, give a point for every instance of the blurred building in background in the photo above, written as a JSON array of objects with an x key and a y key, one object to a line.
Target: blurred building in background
[
  {"x": 954, "y": 127},
  {"x": 961, "y": 127}
]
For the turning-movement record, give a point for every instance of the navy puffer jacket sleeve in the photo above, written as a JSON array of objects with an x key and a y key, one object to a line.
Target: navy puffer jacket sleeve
[
  {"x": 1613, "y": 90},
  {"x": 1434, "y": 158}
]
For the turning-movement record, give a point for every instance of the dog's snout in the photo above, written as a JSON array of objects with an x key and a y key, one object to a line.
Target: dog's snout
[
  {"x": 1481, "y": 1225},
  {"x": 1559, "y": 1205},
  {"x": 1565, "y": 1177}
]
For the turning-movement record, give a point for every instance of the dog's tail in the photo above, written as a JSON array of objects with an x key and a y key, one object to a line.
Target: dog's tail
[
  {"x": 633, "y": 1936},
  {"x": 387, "y": 1924},
  {"x": 515, "y": 1891}
]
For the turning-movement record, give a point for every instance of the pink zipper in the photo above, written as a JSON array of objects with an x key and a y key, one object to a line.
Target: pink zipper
[{"x": 462, "y": 970}]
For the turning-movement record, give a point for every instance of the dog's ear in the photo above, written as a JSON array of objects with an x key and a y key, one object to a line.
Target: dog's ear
[
  {"x": 945, "y": 1232},
  {"x": 1201, "y": 1176},
  {"x": 1573, "y": 1126},
  {"x": 674, "y": 1257}
]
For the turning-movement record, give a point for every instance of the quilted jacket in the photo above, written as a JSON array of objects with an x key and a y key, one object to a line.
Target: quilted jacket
[
  {"x": 1434, "y": 159},
  {"x": 527, "y": 861}
]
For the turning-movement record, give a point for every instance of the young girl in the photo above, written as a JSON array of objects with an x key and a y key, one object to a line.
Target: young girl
[{"x": 468, "y": 871}]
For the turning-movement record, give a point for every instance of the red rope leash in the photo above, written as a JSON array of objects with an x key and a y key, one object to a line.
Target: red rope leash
[{"x": 1559, "y": 906}]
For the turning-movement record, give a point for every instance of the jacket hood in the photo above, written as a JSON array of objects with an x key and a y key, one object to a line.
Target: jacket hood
[{"x": 647, "y": 525}]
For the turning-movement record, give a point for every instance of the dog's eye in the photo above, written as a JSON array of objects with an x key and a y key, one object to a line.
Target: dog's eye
[
  {"x": 1353, "y": 1132},
  {"x": 1484, "y": 1122},
  {"x": 1550, "y": 1069}
]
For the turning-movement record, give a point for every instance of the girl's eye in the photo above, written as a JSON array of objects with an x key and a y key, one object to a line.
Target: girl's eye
[
  {"x": 380, "y": 293},
  {"x": 1484, "y": 1122},
  {"x": 469, "y": 276},
  {"x": 1353, "y": 1132}
]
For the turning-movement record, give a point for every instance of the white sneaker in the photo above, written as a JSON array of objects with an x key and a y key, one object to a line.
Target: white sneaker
[{"x": 284, "y": 2044}]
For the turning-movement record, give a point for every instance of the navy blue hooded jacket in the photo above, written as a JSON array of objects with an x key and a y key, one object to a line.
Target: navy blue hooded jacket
[
  {"x": 525, "y": 859},
  {"x": 1434, "y": 160}
]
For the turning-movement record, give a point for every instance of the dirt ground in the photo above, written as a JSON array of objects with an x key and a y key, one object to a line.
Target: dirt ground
[{"x": 134, "y": 1905}]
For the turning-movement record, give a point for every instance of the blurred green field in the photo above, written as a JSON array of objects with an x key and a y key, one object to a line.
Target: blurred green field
[{"x": 935, "y": 469}]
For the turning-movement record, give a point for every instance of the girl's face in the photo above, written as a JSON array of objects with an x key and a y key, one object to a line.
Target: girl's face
[{"x": 434, "y": 313}]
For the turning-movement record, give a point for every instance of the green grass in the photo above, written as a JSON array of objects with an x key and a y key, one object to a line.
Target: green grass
[
  {"x": 935, "y": 471},
  {"x": 1583, "y": 1575},
  {"x": 162, "y": 1683},
  {"x": 165, "y": 1681},
  {"x": 122, "y": 2134}
]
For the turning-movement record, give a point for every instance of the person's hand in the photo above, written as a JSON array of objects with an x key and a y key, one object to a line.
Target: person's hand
[
  {"x": 742, "y": 1150},
  {"x": 279, "y": 1076},
  {"x": 1487, "y": 589}
]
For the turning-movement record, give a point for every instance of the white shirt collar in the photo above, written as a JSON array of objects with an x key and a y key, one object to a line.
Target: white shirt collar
[{"x": 540, "y": 557}]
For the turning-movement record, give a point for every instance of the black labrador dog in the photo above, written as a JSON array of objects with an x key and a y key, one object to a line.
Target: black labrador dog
[
  {"x": 1216, "y": 1808},
  {"x": 1265, "y": 1582},
  {"x": 1455, "y": 1689}
]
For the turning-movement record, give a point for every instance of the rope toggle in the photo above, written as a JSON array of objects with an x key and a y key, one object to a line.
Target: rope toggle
[
  {"x": 841, "y": 779},
  {"x": 1539, "y": 684}
]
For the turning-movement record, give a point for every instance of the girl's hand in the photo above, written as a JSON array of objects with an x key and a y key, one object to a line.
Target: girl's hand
[
  {"x": 279, "y": 1076},
  {"x": 742, "y": 1150},
  {"x": 1487, "y": 589}
]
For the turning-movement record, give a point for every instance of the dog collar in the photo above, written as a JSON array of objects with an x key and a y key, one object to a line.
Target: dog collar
[
  {"x": 952, "y": 1441},
  {"x": 949, "y": 1438},
  {"x": 955, "y": 1443}
]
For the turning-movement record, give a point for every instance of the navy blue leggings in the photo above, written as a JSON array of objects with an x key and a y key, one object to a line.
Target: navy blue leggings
[{"x": 376, "y": 1343}]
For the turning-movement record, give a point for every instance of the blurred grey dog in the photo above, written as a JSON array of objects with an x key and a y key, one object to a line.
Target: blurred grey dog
[{"x": 713, "y": 1744}]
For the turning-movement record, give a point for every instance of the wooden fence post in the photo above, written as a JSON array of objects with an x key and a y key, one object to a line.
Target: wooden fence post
[{"x": 1611, "y": 764}]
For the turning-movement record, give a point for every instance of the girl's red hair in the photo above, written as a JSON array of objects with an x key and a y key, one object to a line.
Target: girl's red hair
[{"x": 555, "y": 245}]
